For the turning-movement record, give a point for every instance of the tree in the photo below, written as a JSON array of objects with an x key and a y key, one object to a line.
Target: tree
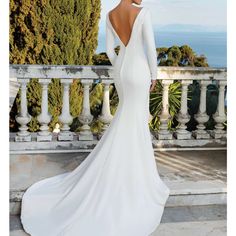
[
  {"x": 180, "y": 56},
  {"x": 58, "y": 32}
]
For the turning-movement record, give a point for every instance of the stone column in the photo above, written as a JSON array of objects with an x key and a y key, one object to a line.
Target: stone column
[
  {"x": 220, "y": 116},
  {"x": 86, "y": 117},
  {"x": 44, "y": 118},
  {"x": 202, "y": 117},
  {"x": 164, "y": 133},
  {"x": 106, "y": 116},
  {"x": 24, "y": 117},
  {"x": 183, "y": 117},
  {"x": 65, "y": 118}
]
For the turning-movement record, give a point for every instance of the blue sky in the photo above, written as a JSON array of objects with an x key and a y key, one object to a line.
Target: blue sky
[{"x": 197, "y": 12}]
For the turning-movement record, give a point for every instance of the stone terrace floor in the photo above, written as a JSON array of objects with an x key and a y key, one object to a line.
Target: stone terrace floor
[
  {"x": 185, "y": 172},
  {"x": 182, "y": 166}
]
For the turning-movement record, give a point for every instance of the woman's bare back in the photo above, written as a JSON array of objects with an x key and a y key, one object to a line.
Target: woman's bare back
[{"x": 122, "y": 19}]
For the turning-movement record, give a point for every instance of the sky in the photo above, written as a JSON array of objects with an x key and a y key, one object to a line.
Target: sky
[{"x": 209, "y": 13}]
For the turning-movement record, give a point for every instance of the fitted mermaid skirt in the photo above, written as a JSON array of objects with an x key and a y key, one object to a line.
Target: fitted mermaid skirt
[{"x": 116, "y": 190}]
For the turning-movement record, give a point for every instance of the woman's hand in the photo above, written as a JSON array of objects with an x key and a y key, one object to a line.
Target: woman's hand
[{"x": 153, "y": 84}]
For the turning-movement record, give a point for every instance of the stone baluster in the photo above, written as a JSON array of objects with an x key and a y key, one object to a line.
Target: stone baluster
[
  {"x": 106, "y": 116},
  {"x": 164, "y": 133},
  {"x": 24, "y": 117},
  {"x": 65, "y": 118},
  {"x": 220, "y": 116},
  {"x": 183, "y": 117},
  {"x": 86, "y": 117},
  {"x": 44, "y": 118},
  {"x": 202, "y": 117}
]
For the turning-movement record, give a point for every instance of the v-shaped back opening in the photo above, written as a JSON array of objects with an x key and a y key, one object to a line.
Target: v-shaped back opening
[{"x": 132, "y": 29}]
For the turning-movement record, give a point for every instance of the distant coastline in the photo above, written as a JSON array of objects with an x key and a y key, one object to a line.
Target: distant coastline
[
  {"x": 210, "y": 41},
  {"x": 191, "y": 28}
]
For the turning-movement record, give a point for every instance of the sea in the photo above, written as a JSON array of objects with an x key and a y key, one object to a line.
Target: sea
[{"x": 211, "y": 44}]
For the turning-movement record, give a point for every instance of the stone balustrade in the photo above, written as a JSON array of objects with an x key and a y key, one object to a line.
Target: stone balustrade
[{"x": 104, "y": 74}]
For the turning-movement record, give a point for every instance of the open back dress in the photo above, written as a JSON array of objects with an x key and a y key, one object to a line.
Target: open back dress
[{"x": 116, "y": 190}]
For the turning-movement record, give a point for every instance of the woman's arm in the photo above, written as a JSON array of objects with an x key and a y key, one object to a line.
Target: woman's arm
[
  {"x": 110, "y": 43},
  {"x": 149, "y": 39}
]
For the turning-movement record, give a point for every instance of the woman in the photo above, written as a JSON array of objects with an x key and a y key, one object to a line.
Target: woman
[{"x": 117, "y": 190}]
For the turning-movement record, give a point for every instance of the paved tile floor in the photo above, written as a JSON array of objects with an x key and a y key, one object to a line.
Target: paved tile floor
[
  {"x": 192, "y": 165},
  {"x": 207, "y": 228},
  {"x": 202, "y": 228}
]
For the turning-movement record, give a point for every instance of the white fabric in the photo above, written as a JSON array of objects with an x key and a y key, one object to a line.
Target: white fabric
[
  {"x": 143, "y": 42},
  {"x": 116, "y": 190}
]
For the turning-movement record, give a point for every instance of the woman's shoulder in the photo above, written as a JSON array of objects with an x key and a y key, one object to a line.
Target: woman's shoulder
[
  {"x": 135, "y": 11},
  {"x": 139, "y": 9},
  {"x": 132, "y": 9}
]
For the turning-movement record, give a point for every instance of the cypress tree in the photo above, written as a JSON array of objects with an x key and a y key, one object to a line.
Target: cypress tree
[{"x": 61, "y": 32}]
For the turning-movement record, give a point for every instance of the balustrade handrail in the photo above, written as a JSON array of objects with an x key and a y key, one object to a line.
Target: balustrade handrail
[{"x": 106, "y": 72}]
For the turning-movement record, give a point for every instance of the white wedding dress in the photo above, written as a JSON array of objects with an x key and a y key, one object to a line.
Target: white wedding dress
[{"x": 116, "y": 190}]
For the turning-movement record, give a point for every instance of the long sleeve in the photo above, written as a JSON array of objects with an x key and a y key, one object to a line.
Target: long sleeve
[
  {"x": 110, "y": 43},
  {"x": 149, "y": 41}
]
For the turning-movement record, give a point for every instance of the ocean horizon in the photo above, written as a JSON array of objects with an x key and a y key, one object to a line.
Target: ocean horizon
[{"x": 211, "y": 44}]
